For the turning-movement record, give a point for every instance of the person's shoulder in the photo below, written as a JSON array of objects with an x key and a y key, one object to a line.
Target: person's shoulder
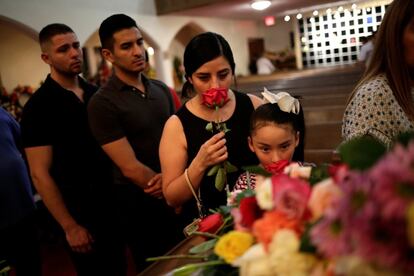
[
  {"x": 376, "y": 86},
  {"x": 247, "y": 97},
  {"x": 87, "y": 85},
  {"x": 101, "y": 96},
  {"x": 40, "y": 98},
  {"x": 159, "y": 84}
]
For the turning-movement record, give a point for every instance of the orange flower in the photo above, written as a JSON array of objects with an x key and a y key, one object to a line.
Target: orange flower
[{"x": 271, "y": 222}]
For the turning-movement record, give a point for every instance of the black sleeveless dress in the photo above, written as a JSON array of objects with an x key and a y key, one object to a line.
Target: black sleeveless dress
[{"x": 237, "y": 147}]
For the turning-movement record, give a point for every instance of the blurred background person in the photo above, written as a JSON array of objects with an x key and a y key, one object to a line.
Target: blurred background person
[
  {"x": 381, "y": 105},
  {"x": 19, "y": 244}
]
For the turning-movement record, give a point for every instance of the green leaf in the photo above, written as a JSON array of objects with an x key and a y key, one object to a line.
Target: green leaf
[
  {"x": 362, "y": 152},
  {"x": 257, "y": 170},
  {"x": 404, "y": 138},
  {"x": 230, "y": 168},
  {"x": 306, "y": 242},
  {"x": 318, "y": 174},
  {"x": 243, "y": 194},
  {"x": 220, "y": 179},
  {"x": 209, "y": 127},
  {"x": 188, "y": 269},
  {"x": 203, "y": 247},
  {"x": 213, "y": 170}
]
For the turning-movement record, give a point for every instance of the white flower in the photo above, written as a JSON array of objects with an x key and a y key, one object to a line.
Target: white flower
[
  {"x": 254, "y": 262},
  {"x": 264, "y": 194},
  {"x": 285, "y": 257},
  {"x": 295, "y": 170}
]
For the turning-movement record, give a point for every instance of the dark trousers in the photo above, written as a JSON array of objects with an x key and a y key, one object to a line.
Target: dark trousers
[
  {"x": 106, "y": 258},
  {"x": 149, "y": 227},
  {"x": 19, "y": 246}
]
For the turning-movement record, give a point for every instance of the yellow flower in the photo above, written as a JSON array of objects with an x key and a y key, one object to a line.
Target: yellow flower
[{"x": 232, "y": 245}]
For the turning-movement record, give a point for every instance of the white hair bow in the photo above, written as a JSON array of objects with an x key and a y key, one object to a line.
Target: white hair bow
[{"x": 284, "y": 100}]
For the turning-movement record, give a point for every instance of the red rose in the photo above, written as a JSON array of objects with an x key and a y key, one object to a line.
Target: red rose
[
  {"x": 277, "y": 167},
  {"x": 215, "y": 97},
  {"x": 210, "y": 223},
  {"x": 250, "y": 211},
  {"x": 338, "y": 172}
]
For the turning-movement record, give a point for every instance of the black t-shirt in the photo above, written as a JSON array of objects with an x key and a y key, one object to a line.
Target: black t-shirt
[
  {"x": 119, "y": 110},
  {"x": 56, "y": 117}
]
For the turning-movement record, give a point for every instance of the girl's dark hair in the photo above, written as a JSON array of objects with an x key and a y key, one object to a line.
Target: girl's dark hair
[
  {"x": 271, "y": 113},
  {"x": 201, "y": 49}
]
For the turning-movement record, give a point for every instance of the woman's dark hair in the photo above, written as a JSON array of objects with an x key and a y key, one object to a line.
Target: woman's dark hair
[
  {"x": 388, "y": 55},
  {"x": 201, "y": 49},
  {"x": 271, "y": 113}
]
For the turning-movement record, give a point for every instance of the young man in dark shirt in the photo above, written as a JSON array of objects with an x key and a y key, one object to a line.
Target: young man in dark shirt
[
  {"x": 127, "y": 116},
  {"x": 68, "y": 168}
]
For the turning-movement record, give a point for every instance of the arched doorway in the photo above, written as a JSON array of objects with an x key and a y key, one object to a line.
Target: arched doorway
[
  {"x": 20, "y": 56},
  {"x": 176, "y": 50},
  {"x": 94, "y": 61}
]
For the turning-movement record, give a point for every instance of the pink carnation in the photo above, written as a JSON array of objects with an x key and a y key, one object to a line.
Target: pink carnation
[{"x": 290, "y": 195}]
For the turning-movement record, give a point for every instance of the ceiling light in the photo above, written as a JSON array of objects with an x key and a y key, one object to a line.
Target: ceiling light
[
  {"x": 287, "y": 18},
  {"x": 354, "y": 6},
  {"x": 315, "y": 13},
  {"x": 299, "y": 16},
  {"x": 260, "y": 5},
  {"x": 329, "y": 10}
]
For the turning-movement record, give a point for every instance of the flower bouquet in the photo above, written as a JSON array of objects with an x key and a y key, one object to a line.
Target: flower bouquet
[{"x": 350, "y": 218}]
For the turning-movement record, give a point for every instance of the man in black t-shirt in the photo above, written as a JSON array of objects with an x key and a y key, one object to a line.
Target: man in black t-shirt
[
  {"x": 127, "y": 116},
  {"x": 68, "y": 168}
]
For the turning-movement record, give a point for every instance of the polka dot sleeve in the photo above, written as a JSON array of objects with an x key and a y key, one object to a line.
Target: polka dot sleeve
[{"x": 374, "y": 111}]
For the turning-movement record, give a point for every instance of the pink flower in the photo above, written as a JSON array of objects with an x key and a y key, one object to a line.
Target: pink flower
[
  {"x": 394, "y": 181},
  {"x": 338, "y": 172},
  {"x": 323, "y": 195},
  {"x": 331, "y": 237},
  {"x": 277, "y": 167},
  {"x": 215, "y": 97},
  {"x": 290, "y": 195}
]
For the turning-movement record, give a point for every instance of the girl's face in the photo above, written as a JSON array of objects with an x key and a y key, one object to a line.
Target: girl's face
[
  {"x": 213, "y": 74},
  {"x": 273, "y": 142}
]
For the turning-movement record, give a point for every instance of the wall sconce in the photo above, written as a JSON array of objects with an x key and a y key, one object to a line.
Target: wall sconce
[{"x": 260, "y": 5}]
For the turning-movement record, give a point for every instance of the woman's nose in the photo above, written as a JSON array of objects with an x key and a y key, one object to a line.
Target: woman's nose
[{"x": 214, "y": 83}]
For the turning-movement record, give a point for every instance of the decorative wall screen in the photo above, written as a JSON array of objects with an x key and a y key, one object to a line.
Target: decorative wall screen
[{"x": 334, "y": 38}]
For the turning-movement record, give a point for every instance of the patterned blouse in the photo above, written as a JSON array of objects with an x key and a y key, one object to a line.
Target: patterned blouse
[
  {"x": 374, "y": 111},
  {"x": 242, "y": 182}
]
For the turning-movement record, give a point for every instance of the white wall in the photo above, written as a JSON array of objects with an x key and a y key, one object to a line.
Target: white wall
[
  {"x": 85, "y": 16},
  {"x": 20, "y": 59},
  {"x": 276, "y": 37}
]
